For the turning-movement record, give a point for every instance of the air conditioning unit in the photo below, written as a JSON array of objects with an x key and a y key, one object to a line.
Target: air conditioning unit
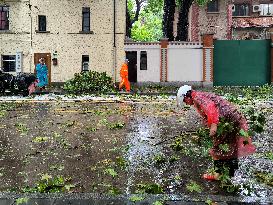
[
  {"x": 233, "y": 8},
  {"x": 257, "y": 8}
]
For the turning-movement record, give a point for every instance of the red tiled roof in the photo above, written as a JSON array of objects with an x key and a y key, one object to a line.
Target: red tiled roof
[{"x": 258, "y": 22}]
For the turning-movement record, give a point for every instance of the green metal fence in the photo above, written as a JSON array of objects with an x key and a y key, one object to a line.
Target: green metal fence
[{"x": 241, "y": 62}]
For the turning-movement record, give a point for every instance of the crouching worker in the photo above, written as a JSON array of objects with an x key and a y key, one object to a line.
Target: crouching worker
[
  {"x": 227, "y": 146},
  {"x": 124, "y": 76}
]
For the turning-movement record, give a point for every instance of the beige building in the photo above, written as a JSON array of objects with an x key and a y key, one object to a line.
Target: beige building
[{"x": 73, "y": 35}]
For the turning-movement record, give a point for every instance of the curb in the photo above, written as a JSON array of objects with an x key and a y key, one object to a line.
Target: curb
[{"x": 101, "y": 199}]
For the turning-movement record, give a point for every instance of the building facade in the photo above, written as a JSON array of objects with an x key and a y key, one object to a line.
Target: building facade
[
  {"x": 72, "y": 35},
  {"x": 231, "y": 20}
]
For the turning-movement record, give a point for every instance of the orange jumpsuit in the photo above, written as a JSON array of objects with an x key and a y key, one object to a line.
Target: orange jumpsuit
[{"x": 124, "y": 77}]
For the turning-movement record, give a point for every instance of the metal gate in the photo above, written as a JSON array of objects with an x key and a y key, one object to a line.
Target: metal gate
[{"x": 241, "y": 62}]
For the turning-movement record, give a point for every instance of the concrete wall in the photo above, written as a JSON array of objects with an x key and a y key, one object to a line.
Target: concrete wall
[
  {"x": 64, "y": 23},
  {"x": 152, "y": 74},
  {"x": 185, "y": 63}
]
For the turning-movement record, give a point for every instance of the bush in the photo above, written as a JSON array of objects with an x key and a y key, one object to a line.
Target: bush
[{"x": 89, "y": 82}]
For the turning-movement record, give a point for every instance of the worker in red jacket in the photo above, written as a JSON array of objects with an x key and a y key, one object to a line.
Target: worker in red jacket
[
  {"x": 124, "y": 76},
  {"x": 213, "y": 108}
]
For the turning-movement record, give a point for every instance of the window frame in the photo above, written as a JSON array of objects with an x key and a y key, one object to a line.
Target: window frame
[
  {"x": 84, "y": 57},
  {"x": 246, "y": 5},
  {"x": 6, "y": 18},
  {"x": 211, "y": 4},
  {"x": 8, "y": 60},
  {"x": 86, "y": 11},
  {"x": 40, "y": 25},
  {"x": 144, "y": 61}
]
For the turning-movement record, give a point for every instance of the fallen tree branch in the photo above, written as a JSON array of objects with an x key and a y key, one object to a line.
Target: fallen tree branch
[{"x": 181, "y": 134}]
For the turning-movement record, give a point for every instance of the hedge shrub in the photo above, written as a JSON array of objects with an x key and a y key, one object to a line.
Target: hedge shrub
[{"x": 89, "y": 82}]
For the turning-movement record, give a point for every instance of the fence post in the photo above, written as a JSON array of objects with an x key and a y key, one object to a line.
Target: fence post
[
  {"x": 207, "y": 59},
  {"x": 271, "y": 50},
  {"x": 164, "y": 59}
]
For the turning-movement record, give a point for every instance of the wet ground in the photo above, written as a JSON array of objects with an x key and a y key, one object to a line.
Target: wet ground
[{"x": 118, "y": 148}]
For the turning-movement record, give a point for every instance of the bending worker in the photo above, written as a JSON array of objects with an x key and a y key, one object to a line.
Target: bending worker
[
  {"x": 124, "y": 76},
  {"x": 215, "y": 110}
]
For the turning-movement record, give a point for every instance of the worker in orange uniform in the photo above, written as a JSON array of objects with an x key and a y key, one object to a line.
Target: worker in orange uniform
[{"x": 124, "y": 76}]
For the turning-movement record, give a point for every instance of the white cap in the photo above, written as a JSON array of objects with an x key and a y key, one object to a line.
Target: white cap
[{"x": 181, "y": 93}]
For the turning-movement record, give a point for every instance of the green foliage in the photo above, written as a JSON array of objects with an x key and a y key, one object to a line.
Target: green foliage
[
  {"x": 256, "y": 120},
  {"x": 159, "y": 159},
  {"x": 49, "y": 184},
  {"x": 148, "y": 27},
  {"x": 111, "y": 172},
  {"x": 92, "y": 129},
  {"x": 136, "y": 198},
  {"x": 40, "y": 139},
  {"x": 121, "y": 162},
  {"x": 224, "y": 147},
  {"x": 115, "y": 126},
  {"x": 204, "y": 138},
  {"x": 149, "y": 189},
  {"x": 225, "y": 181},
  {"x": 264, "y": 177},
  {"x": 177, "y": 144},
  {"x": 2, "y": 113},
  {"x": 174, "y": 159},
  {"x": 158, "y": 203},
  {"x": 232, "y": 98},
  {"x": 193, "y": 187},
  {"x": 22, "y": 128},
  {"x": 154, "y": 6},
  {"x": 114, "y": 191},
  {"x": 89, "y": 82},
  {"x": 20, "y": 201},
  {"x": 225, "y": 127},
  {"x": 269, "y": 155}
]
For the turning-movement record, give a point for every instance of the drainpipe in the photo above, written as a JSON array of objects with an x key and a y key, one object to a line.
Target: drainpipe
[
  {"x": 31, "y": 37},
  {"x": 114, "y": 44}
]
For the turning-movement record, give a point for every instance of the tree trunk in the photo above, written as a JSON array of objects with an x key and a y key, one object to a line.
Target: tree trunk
[
  {"x": 128, "y": 22},
  {"x": 168, "y": 18},
  {"x": 183, "y": 21}
]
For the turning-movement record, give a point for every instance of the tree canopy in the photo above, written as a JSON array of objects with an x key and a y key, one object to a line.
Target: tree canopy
[{"x": 150, "y": 20}]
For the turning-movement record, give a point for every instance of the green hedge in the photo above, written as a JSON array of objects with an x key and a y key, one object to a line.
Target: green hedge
[{"x": 89, "y": 82}]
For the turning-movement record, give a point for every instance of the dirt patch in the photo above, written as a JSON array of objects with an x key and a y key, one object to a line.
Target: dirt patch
[{"x": 114, "y": 148}]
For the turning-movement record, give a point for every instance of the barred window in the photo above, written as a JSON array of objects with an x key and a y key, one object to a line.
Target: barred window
[
  {"x": 8, "y": 63},
  {"x": 85, "y": 62}
]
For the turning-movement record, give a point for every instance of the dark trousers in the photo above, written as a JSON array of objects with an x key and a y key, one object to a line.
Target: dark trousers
[{"x": 230, "y": 164}]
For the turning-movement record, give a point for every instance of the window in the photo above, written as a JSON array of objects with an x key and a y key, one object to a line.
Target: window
[
  {"x": 8, "y": 63},
  {"x": 241, "y": 10},
  {"x": 86, "y": 19},
  {"x": 266, "y": 9},
  {"x": 4, "y": 18},
  {"x": 143, "y": 60},
  {"x": 42, "y": 23},
  {"x": 213, "y": 6},
  {"x": 85, "y": 62}
]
